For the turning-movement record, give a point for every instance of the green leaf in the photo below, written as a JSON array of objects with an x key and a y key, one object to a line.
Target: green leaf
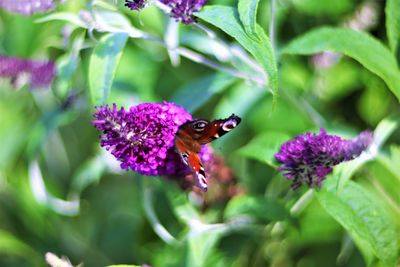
[
  {"x": 64, "y": 16},
  {"x": 202, "y": 238},
  {"x": 11, "y": 245},
  {"x": 382, "y": 132},
  {"x": 195, "y": 94},
  {"x": 366, "y": 221},
  {"x": 372, "y": 54},
  {"x": 103, "y": 64},
  {"x": 123, "y": 265},
  {"x": 384, "y": 129},
  {"x": 264, "y": 146},
  {"x": 392, "y": 11},
  {"x": 261, "y": 208},
  {"x": 67, "y": 65},
  {"x": 88, "y": 173},
  {"x": 227, "y": 19},
  {"x": 248, "y": 15},
  {"x": 49, "y": 122}
]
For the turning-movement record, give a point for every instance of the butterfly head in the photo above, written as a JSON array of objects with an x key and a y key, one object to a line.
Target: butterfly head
[
  {"x": 193, "y": 134},
  {"x": 199, "y": 125}
]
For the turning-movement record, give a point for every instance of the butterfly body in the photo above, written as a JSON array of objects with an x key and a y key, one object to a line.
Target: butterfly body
[{"x": 193, "y": 134}]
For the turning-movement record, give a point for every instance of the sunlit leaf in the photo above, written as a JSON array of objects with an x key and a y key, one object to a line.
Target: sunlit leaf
[
  {"x": 201, "y": 242},
  {"x": 227, "y": 19},
  {"x": 64, "y": 16},
  {"x": 384, "y": 129},
  {"x": 103, "y": 64},
  {"x": 9, "y": 244},
  {"x": 366, "y": 221},
  {"x": 392, "y": 11},
  {"x": 346, "y": 170},
  {"x": 248, "y": 15},
  {"x": 367, "y": 50}
]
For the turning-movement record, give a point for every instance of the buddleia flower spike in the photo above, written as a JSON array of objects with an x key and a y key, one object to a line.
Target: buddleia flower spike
[
  {"x": 142, "y": 138},
  {"x": 308, "y": 158}
]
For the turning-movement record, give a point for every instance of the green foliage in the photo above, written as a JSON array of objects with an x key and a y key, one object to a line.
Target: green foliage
[
  {"x": 367, "y": 50},
  {"x": 367, "y": 222},
  {"x": 103, "y": 64},
  {"x": 392, "y": 11},
  {"x": 260, "y": 208},
  {"x": 248, "y": 16},
  {"x": 227, "y": 19},
  {"x": 61, "y": 193},
  {"x": 264, "y": 147}
]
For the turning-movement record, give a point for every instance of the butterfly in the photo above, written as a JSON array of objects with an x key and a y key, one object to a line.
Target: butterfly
[{"x": 193, "y": 134}]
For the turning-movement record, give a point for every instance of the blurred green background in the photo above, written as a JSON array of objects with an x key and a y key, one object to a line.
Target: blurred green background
[{"x": 61, "y": 193}]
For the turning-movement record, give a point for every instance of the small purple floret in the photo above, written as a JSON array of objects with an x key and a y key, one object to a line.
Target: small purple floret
[
  {"x": 135, "y": 4},
  {"x": 182, "y": 10},
  {"x": 142, "y": 138},
  {"x": 37, "y": 73},
  {"x": 310, "y": 157}
]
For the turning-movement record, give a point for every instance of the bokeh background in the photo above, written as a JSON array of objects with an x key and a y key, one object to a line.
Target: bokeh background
[{"x": 61, "y": 193}]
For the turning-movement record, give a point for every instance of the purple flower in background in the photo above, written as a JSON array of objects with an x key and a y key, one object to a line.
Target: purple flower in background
[
  {"x": 27, "y": 7},
  {"x": 135, "y": 4},
  {"x": 182, "y": 10},
  {"x": 142, "y": 138},
  {"x": 36, "y": 73},
  {"x": 310, "y": 157}
]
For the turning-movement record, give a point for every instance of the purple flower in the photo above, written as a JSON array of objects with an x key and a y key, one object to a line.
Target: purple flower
[
  {"x": 310, "y": 157},
  {"x": 27, "y": 7},
  {"x": 135, "y": 4},
  {"x": 182, "y": 10},
  {"x": 142, "y": 138},
  {"x": 36, "y": 73}
]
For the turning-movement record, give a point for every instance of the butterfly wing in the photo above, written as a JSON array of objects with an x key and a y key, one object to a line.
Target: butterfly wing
[
  {"x": 193, "y": 134},
  {"x": 218, "y": 128},
  {"x": 192, "y": 159}
]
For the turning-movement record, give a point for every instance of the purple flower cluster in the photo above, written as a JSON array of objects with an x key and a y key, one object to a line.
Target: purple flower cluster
[
  {"x": 27, "y": 7},
  {"x": 181, "y": 10},
  {"x": 310, "y": 157},
  {"x": 135, "y": 4},
  {"x": 142, "y": 138},
  {"x": 36, "y": 73}
]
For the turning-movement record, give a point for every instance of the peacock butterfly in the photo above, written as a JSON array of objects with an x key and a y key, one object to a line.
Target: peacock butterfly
[{"x": 193, "y": 134}]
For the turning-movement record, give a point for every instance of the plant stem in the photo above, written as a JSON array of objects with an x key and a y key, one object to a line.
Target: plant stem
[
  {"x": 302, "y": 203},
  {"x": 158, "y": 228},
  {"x": 235, "y": 51}
]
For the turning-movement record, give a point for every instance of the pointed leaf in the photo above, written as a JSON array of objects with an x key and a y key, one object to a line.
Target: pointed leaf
[
  {"x": 366, "y": 221},
  {"x": 227, "y": 19},
  {"x": 103, "y": 64},
  {"x": 392, "y": 11},
  {"x": 372, "y": 54},
  {"x": 248, "y": 15}
]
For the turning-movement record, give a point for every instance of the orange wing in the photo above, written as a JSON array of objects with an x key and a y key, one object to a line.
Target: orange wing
[{"x": 193, "y": 134}]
